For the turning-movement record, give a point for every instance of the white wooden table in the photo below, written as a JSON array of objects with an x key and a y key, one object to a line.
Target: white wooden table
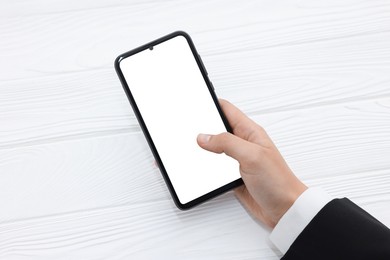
[{"x": 77, "y": 179}]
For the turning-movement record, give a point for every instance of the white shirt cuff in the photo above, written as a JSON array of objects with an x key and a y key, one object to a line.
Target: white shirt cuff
[{"x": 297, "y": 217}]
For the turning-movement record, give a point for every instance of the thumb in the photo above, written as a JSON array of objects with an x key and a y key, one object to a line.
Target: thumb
[{"x": 229, "y": 144}]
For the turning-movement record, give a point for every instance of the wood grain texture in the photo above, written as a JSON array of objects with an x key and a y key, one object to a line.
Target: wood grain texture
[
  {"x": 139, "y": 231},
  {"x": 117, "y": 169},
  {"x": 84, "y": 103},
  {"x": 77, "y": 180}
]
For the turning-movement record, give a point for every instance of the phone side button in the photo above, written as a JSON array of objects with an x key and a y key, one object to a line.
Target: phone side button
[{"x": 212, "y": 86}]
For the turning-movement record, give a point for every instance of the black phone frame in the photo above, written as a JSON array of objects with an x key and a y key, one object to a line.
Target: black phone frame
[{"x": 149, "y": 139}]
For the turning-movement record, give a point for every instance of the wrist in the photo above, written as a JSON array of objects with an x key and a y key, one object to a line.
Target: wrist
[
  {"x": 298, "y": 217},
  {"x": 290, "y": 196}
]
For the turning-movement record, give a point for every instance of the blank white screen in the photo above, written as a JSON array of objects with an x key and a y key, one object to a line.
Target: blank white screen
[{"x": 176, "y": 106}]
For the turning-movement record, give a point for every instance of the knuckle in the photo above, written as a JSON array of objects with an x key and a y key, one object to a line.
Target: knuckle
[
  {"x": 225, "y": 137},
  {"x": 261, "y": 130}
]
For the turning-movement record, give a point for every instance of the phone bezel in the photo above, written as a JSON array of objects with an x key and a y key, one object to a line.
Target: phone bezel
[{"x": 144, "y": 128}]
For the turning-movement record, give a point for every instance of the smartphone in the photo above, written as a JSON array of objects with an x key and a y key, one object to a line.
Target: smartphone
[{"x": 174, "y": 100}]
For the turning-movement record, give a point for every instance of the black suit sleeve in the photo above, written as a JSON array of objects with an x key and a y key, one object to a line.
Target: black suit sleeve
[{"x": 341, "y": 230}]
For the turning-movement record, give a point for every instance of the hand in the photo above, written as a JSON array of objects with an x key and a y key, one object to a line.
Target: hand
[{"x": 270, "y": 186}]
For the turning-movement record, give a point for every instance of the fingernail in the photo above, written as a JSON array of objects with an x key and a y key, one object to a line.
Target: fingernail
[{"x": 203, "y": 138}]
